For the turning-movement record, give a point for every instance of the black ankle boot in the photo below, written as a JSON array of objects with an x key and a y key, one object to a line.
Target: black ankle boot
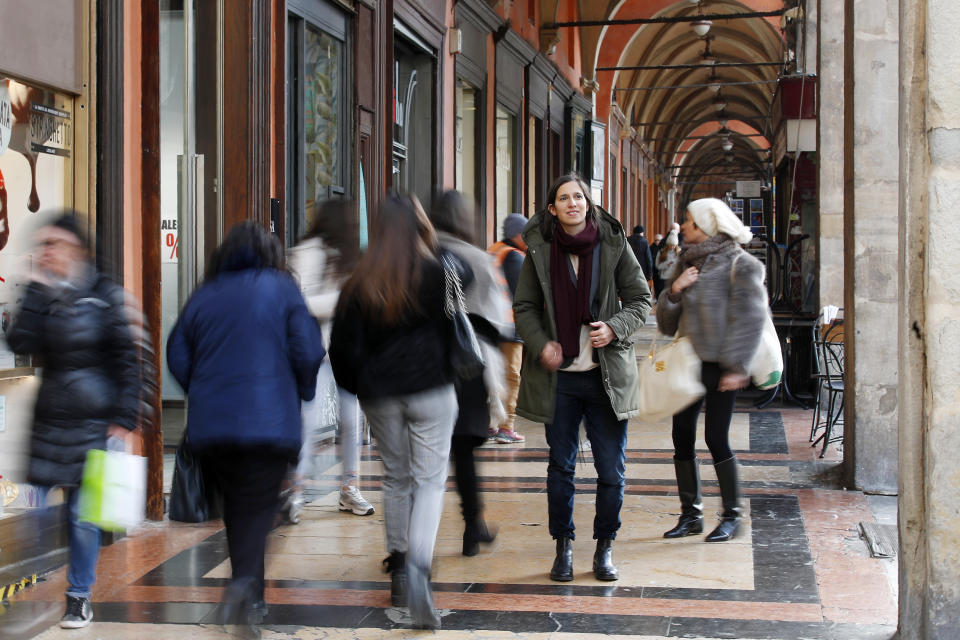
[
  {"x": 562, "y": 570},
  {"x": 475, "y": 532},
  {"x": 730, "y": 496},
  {"x": 687, "y": 525},
  {"x": 603, "y": 568},
  {"x": 691, "y": 503},
  {"x": 726, "y": 530},
  {"x": 396, "y": 565}
]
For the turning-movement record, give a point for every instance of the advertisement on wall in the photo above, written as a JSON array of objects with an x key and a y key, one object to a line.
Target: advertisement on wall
[{"x": 36, "y": 144}]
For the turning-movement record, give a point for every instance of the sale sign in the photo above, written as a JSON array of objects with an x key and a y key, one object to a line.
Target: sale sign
[{"x": 169, "y": 241}]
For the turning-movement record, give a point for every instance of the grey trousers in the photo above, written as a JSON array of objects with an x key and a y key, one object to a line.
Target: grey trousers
[{"x": 413, "y": 436}]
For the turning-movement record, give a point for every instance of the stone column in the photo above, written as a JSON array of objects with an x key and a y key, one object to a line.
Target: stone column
[
  {"x": 929, "y": 334},
  {"x": 829, "y": 27},
  {"x": 871, "y": 188}
]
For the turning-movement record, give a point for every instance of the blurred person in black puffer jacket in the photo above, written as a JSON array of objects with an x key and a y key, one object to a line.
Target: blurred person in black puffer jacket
[{"x": 75, "y": 321}]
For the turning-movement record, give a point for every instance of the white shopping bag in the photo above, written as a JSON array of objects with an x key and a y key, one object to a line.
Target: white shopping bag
[{"x": 113, "y": 493}]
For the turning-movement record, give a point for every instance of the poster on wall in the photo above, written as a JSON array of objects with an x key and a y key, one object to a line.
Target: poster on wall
[
  {"x": 36, "y": 143},
  {"x": 756, "y": 212}
]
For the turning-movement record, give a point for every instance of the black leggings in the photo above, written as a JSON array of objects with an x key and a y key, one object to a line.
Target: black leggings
[
  {"x": 719, "y": 410},
  {"x": 465, "y": 469}
]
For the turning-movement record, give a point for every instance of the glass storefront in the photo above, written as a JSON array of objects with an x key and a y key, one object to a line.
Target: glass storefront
[
  {"x": 318, "y": 127},
  {"x": 414, "y": 138},
  {"x": 36, "y": 177},
  {"x": 191, "y": 222},
  {"x": 507, "y": 165},
  {"x": 466, "y": 140}
]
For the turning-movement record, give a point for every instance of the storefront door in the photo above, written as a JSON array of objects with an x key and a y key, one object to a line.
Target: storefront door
[
  {"x": 414, "y": 138},
  {"x": 190, "y": 148}
]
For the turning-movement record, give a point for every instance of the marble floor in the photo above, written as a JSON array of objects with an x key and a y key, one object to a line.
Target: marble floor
[{"x": 798, "y": 569}]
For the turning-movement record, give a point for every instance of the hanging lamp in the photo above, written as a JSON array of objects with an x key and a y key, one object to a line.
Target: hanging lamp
[
  {"x": 719, "y": 103},
  {"x": 701, "y": 27}
]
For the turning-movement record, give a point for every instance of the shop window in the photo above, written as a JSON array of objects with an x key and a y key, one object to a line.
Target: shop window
[
  {"x": 414, "y": 140},
  {"x": 507, "y": 165},
  {"x": 36, "y": 175},
  {"x": 467, "y": 160},
  {"x": 318, "y": 146}
]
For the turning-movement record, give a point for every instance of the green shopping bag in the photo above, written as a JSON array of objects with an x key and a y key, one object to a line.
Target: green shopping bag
[{"x": 114, "y": 490}]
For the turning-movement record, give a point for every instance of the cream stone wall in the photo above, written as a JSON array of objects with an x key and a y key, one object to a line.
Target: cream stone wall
[
  {"x": 871, "y": 188},
  {"x": 829, "y": 23},
  {"x": 929, "y": 335}
]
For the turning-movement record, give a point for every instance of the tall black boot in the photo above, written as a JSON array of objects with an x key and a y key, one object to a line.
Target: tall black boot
[
  {"x": 730, "y": 495},
  {"x": 603, "y": 568},
  {"x": 396, "y": 566},
  {"x": 562, "y": 570},
  {"x": 691, "y": 502},
  {"x": 475, "y": 531}
]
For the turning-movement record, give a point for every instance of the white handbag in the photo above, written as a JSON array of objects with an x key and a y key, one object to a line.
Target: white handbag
[
  {"x": 669, "y": 379},
  {"x": 766, "y": 368}
]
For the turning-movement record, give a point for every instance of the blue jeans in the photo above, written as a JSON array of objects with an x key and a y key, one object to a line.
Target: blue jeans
[
  {"x": 84, "y": 541},
  {"x": 582, "y": 396}
]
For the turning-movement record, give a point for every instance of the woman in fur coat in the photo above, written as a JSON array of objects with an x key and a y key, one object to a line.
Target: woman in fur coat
[{"x": 716, "y": 298}]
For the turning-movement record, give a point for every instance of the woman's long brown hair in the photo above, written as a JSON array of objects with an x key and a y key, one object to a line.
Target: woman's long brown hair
[{"x": 387, "y": 276}]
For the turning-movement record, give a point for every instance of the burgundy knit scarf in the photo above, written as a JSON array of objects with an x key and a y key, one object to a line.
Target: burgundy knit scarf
[{"x": 571, "y": 302}]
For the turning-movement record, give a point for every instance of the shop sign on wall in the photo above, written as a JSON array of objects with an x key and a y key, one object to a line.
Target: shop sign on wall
[{"x": 50, "y": 130}]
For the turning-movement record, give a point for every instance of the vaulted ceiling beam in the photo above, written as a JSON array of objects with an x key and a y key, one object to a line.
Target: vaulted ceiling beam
[
  {"x": 669, "y": 19},
  {"x": 704, "y": 85},
  {"x": 667, "y": 67}
]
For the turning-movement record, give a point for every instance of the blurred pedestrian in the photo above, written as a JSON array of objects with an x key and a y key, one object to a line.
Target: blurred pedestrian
[
  {"x": 509, "y": 253},
  {"x": 390, "y": 347},
  {"x": 717, "y": 299},
  {"x": 322, "y": 262},
  {"x": 638, "y": 242},
  {"x": 667, "y": 256},
  {"x": 246, "y": 351},
  {"x": 580, "y": 297},
  {"x": 489, "y": 308},
  {"x": 655, "y": 247},
  {"x": 75, "y": 319}
]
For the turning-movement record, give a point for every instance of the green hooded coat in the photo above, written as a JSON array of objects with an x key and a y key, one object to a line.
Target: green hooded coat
[{"x": 624, "y": 304}]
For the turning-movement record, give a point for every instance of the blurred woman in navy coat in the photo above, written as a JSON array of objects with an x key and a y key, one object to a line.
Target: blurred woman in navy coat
[{"x": 246, "y": 350}]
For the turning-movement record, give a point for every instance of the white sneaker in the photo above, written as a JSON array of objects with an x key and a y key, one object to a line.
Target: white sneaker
[
  {"x": 352, "y": 500},
  {"x": 79, "y": 613},
  {"x": 294, "y": 506}
]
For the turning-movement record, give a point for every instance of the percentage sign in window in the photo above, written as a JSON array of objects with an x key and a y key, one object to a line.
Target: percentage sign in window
[{"x": 173, "y": 241}]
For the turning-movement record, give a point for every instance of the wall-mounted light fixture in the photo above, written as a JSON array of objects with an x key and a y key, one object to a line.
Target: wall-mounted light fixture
[
  {"x": 719, "y": 103},
  {"x": 455, "y": 37}
]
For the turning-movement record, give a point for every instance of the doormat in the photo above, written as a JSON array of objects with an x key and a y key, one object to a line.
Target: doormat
[{"x": 881, "y": 539}]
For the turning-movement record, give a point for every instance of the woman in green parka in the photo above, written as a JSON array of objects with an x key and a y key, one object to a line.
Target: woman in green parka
[{"x": 580, "y": 297}]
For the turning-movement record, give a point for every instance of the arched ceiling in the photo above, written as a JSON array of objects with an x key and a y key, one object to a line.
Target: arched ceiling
[{"x": 679, "y": 124}]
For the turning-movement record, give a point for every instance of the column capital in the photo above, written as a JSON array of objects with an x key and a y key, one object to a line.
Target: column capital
[{"x": 549, "y": 39}]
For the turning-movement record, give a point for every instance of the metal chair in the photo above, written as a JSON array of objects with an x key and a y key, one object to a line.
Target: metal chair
[
  {"x": 831, "y": 355},
  {"x": 818, "y": 374}
]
